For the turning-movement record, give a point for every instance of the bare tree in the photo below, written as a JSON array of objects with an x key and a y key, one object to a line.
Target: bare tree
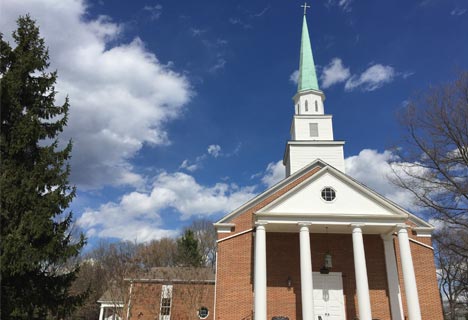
[
  {"x": 434, "y": 159},
  {"x": 120, "y": 263},
  {"x": 205, "y": 233},
  {"x": 91, "y": 278},
  {"x": 452, "y": 273},
  {"x": 157, "y": 253}
]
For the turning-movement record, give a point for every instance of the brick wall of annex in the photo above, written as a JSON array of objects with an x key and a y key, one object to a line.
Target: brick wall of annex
[
  {"x": 235, "y": 270},
  {"x": 186, "y": 300}
]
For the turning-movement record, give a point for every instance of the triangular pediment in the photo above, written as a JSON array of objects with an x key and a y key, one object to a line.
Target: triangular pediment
[
  {"x": 299, "y": 195},
  {"x": 351, "y": 198}
]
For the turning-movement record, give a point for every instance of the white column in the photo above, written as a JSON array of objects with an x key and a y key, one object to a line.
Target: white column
[
  {"x": 362, "y": 285},
  {"x": 260, "y": 279},
  {"x": 392, "y": 278},
  {"x": 307, "y": 291},
  {"x": 101, "y": 313},
  {"x": 409, "y": 278}
]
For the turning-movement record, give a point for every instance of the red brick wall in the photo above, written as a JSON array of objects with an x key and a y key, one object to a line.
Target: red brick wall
[
  {"x": 234, "y": 290},
  {"x": 235, "y": 269},
  {"x": 186, "y": 300}
]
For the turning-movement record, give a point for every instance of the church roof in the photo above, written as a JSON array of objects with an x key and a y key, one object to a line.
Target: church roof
[
  {"x": 175, "y": 275},
  {"x": 112, "y": 295},
  {"x": 307, "y": 75},
  {"x": 315, "y": 170}
]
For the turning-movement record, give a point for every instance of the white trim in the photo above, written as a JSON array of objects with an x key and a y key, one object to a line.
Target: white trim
[
  {"x": 161, "y": 280},
  {"x": 423, "y": 232},
  {"x": 320, "y": 142},
  {"x": 319, "y": 217},
  {"x": 235, "y": 235},
  {"x": 326, "y": 219},
  {"x": 110, "y": 304},
  {"x": 424, "y": 235},
  {"x": 313, "y": 116},
  {"x": 166, "y": 293},
  {"x": 310, "y": 91},
  {"x": 224, "y": 227},
  {"x": 129, "y": 299},
  {"x": 421, "y": 244},
  {"x": 216, "y": 285}
]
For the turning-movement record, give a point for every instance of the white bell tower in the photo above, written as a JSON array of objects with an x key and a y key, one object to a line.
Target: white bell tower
[{"x": 311, "y": 128}]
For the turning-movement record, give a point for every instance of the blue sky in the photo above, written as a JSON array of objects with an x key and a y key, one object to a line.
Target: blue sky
[{"x": 181, "y": 110}]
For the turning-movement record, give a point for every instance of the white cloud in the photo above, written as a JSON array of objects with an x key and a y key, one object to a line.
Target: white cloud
[
  {"x": 374, "y": 170},
  {"x": 154, "y": 11},
  {"x": 334, "y": 73},
  {"x": 274, "y": 173},
  {"x": 294, "y": 77},
  {"x": 188, "y": 166},
  {"x": 344, "y": 5},
  {"x": 372, "y": 78},
  {"x": 137, "y": 215},
  {"x": 240, "y": 22},
  {"x": 220, "y": 63},
  {"x": 458, "y": 11},
  {"x": 197, "y": 32},
  {"x": 261, "y": 13},
  {"x": 214, "y": 150},
  {"x": 121, "y": 95},
  {"x": 438, "y": 224}
]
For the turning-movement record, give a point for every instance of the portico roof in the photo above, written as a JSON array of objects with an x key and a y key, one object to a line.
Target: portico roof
[{"x": 363, "y": 205}]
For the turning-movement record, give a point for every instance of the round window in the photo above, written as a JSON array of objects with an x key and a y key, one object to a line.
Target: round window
[
  {"x": 203, "y": 313},
  {"x": 328, "y": 194}
]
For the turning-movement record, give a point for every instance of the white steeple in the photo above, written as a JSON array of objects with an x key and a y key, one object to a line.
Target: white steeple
[{"x": 311, "y": 128}]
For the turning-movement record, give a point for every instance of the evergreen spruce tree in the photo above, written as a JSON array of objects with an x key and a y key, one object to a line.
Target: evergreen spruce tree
[
  {"x": 188, "y": 253},
  {"x": 36, "y": 243}
]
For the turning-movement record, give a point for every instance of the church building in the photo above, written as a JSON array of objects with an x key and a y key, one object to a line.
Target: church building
[{"x": 320, "y": 245}]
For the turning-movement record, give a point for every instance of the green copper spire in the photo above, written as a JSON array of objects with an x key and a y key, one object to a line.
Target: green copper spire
[{"x": 307, "y": 75}]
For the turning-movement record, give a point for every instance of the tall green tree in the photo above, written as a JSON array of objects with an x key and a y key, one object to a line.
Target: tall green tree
[
  {"x": 36, "y": 241},
  {"x": 188, "y": 252}
]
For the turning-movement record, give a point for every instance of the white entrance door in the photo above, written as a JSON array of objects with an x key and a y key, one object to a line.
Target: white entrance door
[{"x": 328, "y": 296}]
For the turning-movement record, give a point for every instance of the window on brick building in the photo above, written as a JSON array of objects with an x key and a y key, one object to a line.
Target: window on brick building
[
  {"x": 203, "y": 313},
  {"x": 166, "y": 302}
]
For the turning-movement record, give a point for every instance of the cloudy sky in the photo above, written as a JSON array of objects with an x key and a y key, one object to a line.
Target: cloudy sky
[{"x": 181, "y": 109}]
